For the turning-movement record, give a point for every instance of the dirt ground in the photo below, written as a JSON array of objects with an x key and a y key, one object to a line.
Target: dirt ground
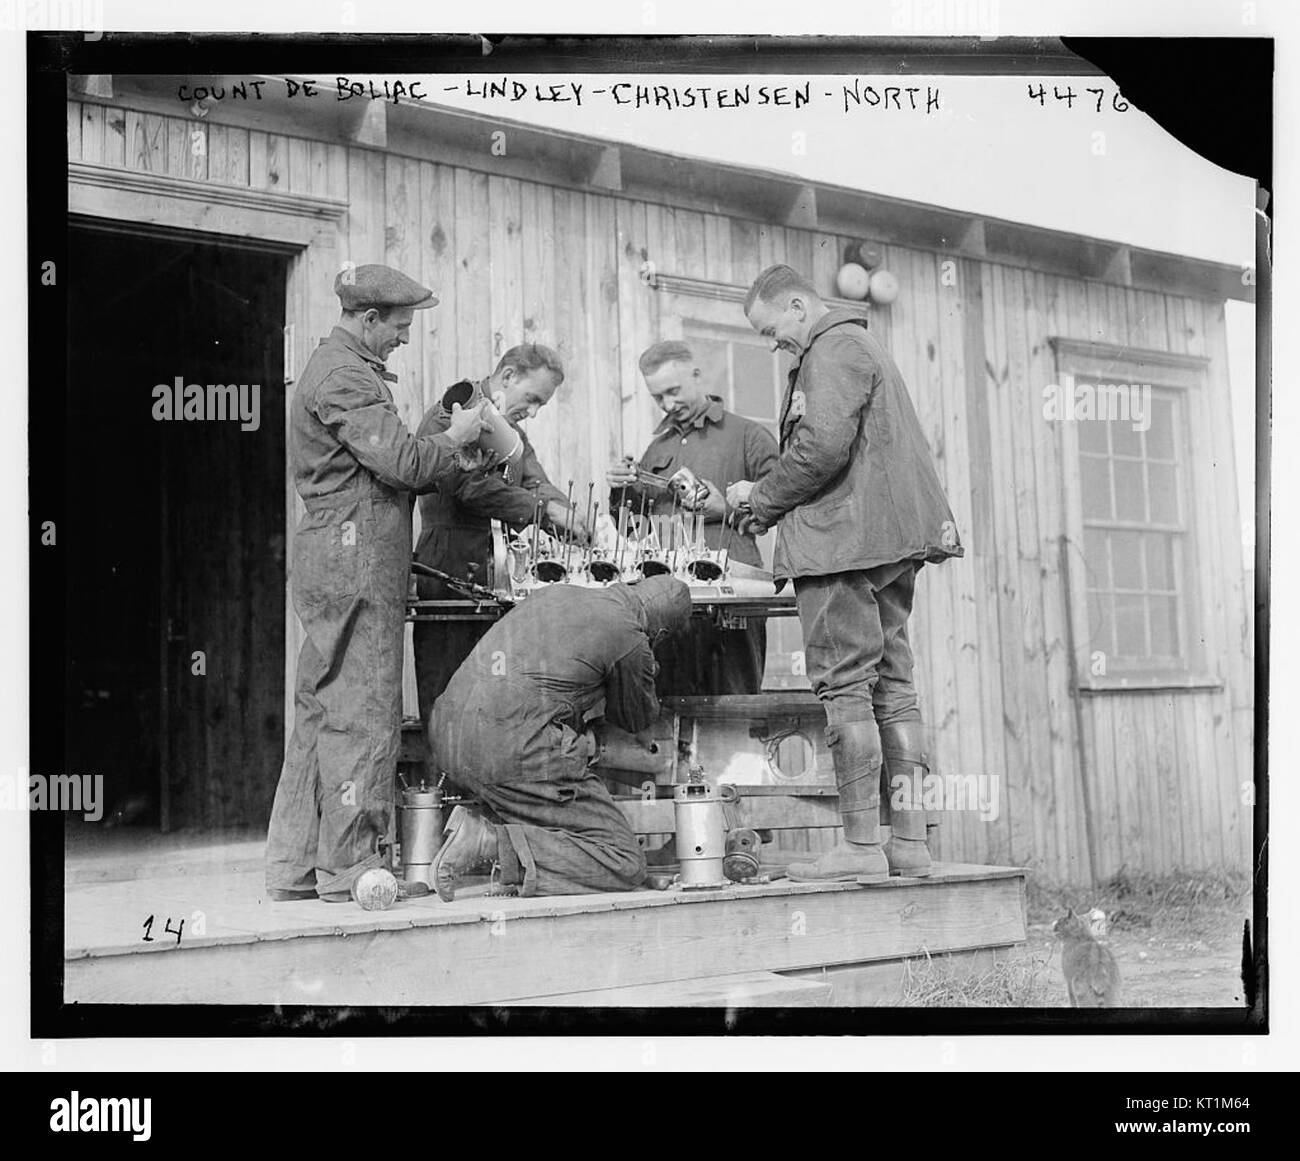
[
  {"x": 1178, "y": 941},
  {"x": 1192, "y": 962}
]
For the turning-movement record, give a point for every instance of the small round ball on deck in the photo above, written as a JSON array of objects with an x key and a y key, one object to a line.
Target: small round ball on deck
[{"x": 375, "y": 890}]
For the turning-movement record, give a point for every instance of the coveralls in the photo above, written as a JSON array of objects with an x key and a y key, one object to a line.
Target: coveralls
[
  {"x": 860, "y": 509},
  {"x": 456, "y": 531},
  {"x": 511, "y": 728},
  {"x": 721, "y": 447},
  {"x": 353, "y": 462}
]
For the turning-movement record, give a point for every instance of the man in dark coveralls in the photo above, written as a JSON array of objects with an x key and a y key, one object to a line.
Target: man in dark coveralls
[
  {"x": 719, "y": 447},
  {"x": 353, "y": 463},
  {"x": 859, "y": 509},
  {"x": 456, "y": 520},
  {"x": 511, "y": 728}
]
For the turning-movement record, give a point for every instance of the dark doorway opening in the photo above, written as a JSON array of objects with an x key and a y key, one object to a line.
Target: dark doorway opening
[{"x": 175, "y": 528}]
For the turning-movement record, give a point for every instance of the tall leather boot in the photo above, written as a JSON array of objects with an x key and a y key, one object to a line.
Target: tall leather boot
[
  {"x": 907, "y": 850},
  {"x": 471, "y": 845},
  {"x": 856, "y": 754}
]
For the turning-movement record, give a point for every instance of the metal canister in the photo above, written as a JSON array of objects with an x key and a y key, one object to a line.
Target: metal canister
[
  {"x": 420, "y": 822},
  {"x": 701, "y": 831},
  {"x": 500, "y": 438}
]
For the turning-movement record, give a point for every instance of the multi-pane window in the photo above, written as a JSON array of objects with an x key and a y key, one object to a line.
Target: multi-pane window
[
  {"x": 1133, "y": 488},
  {"x": 741, "y": 367},
  {"x": 738, "y": 365}
]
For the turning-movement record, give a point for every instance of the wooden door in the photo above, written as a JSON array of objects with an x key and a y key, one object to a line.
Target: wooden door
[{"x": 177, "y": 667}]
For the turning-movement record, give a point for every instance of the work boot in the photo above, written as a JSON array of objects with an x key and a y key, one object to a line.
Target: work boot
[
  {"x": 470, "y": 845},
  {"x": 858, "y": 857},
  {"x": 907, "y": 850}
]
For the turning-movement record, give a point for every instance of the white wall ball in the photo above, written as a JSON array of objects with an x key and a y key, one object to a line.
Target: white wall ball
[
  {"x": 883, "y": 287},
  {"x": 852, "y": 281}
]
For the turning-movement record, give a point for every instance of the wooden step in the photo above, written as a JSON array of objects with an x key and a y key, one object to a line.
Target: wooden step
[
  {"x": 742, "y": 990},
  {"x": 239, "y": 949}
]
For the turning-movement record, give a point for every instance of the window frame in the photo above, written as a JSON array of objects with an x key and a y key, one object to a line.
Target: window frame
[
  {"x": 695, "y": 329},
  {"x": 703, "y": 303},
  {"x": 1186, "y": 377}
]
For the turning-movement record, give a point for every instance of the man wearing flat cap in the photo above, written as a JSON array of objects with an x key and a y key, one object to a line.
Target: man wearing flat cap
[{"x": 353, "y": 464}]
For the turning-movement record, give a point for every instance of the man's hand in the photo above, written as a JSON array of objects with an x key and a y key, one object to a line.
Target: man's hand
[
  {"x": 578, "y": 526},
  {"x": 738, "y": 509},
  {"x": 563, "y": 519},
  {"x": 467, "y": 425},
  {"x": 621, "y": 473},
  {"x": 715, "y": 503},
  {"x": 738, "y": 494},
  {"x": 476, "y": 459}
]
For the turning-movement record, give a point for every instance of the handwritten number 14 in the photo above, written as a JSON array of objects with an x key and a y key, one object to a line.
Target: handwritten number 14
[{"x": 167, "y": 927}]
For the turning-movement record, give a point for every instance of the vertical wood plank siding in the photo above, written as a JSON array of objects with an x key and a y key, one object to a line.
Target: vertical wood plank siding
[{"x": 514, "y": 261}]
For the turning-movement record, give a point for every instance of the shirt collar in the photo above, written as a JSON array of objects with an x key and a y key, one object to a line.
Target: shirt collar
[
  {"x": 711, "y": 414},
  {"x": 833, "y": 317},
  {"x": 353, "y": 344}
]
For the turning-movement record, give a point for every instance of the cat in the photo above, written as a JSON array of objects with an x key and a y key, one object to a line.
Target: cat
[{"x": 1091, "y": 973}]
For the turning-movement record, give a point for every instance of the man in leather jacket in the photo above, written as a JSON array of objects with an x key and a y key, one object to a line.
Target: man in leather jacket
[{"x": 858, "y": 508}]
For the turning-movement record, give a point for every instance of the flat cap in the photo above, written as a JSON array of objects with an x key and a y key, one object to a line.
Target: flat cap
[
  {"x": 666, "y": 601},
  {"x": 361, "y": 287}
]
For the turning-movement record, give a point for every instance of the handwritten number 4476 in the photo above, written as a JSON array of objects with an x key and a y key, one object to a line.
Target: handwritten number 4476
[
  {"x": 167, "y": 928},
  {"x": 1069, "y": 96}
]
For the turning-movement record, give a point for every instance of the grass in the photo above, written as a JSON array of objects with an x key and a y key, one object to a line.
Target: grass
[
  {"x": 1018, "y": 980},
  {"x": 1137, "y": 900}
]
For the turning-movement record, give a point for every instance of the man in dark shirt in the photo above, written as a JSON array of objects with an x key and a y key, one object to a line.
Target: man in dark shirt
[
  {"x": 353, "y": 463},
  {"x": 456, "y": 520},
  {"x": 720, "y": 448},
  {"x": 511, "y": 728}
]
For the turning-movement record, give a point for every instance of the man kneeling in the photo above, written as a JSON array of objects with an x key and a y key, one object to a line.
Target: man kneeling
[{"x": 511, "y": 728}]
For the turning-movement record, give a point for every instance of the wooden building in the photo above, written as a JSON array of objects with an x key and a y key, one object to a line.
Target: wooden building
[{"x": 1094, "y": 647}]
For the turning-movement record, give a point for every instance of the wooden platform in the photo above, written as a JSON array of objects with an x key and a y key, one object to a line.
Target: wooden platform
[{"x": 779, "y": 944}]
